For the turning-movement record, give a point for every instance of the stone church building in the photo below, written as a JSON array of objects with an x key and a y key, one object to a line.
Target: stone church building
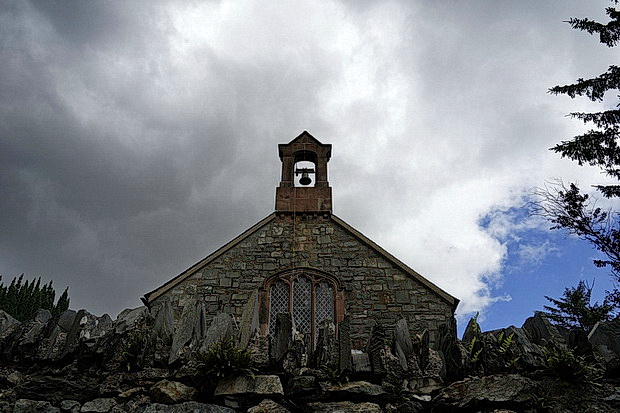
[{"x": 304, "y": 260}]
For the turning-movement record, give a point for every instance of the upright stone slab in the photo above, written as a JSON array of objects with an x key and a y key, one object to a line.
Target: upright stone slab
[
  {"x": 297, "y": 355},
  {"x": 344, "y": 345},
  {"x": 541, "y": 331},
  {"x": 282, "y": 336},
  {"x": 163, "y": 324},
  {"x": 221, "y": 329},
  {"x": 7, "y": 324},
  {"x": 248, "y": 326},
  {"x": 376, "y": 343},
  {"x": 455, "y": 354},
  {"x": 327, "y": 352},
  {"x": 403, "y": 346},
  {"x": 129, "y": 318},
  {"x": 472, "y": 330},
  {"x": 424, "y": 351},
  {"x": 184, "y": 332}
]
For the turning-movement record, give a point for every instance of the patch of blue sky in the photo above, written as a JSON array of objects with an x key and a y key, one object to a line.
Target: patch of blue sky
[{"x": 539, "y": 262}]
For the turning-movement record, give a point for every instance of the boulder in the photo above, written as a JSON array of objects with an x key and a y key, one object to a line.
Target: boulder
[
  {"x": 23, "y": 341},
  {"x": 129, "y": 318},
  {"x": 56, "y": 389},
  {"x": 424, "y": 384},
  {"x": 410, "y": 406},
  {"x": 540, "y": 330},
  {"x": 528, "y": 355},
  {"x": 7, "y": 324},
  {"x": 70, "y": 406},
  {"x": 268, "y": 406},
  {"x": 605, "y": 341},
  {"x": 343, "y": 407},
  {"x": 263, "y": 385},
  {"x": 101, "y": 405},
  {"x": 87, "y": 329},
  {"x": 14, "y": 378},
  {"x": 301, "y": 385},
  {"x": 355, "y": 390},
  {"x": 129, "y": 393},
  {"x": 507, "y": 391},
  {"x": 187, "y": 407},
  {"x": 170, "y": 392},
  {"x": 66, "y": 319},
  {"x": 34, "y": 406}
]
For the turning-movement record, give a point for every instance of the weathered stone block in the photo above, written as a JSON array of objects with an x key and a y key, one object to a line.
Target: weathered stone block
[
  {"x": 168, "y": 392},
  {"x": 344, "y": 407},
  {"x": 264, "y": 385}
]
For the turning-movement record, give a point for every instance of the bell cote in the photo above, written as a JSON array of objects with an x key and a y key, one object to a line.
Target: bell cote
[{"x": 304, "y": 188}]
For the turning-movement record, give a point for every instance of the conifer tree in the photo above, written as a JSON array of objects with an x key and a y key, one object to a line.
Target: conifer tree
[
  {"x": 22, "y": 299},
  {"x": 566, "y": 207},
  {"x": 574, "y": 310}
]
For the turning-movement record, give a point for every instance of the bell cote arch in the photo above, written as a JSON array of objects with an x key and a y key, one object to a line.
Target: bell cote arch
[{"x": 304, "y": 187}]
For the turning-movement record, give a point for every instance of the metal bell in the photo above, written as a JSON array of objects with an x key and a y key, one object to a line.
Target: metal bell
[{"x": 305, "y": 179}]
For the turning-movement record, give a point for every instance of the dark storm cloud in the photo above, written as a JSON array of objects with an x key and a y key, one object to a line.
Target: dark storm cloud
[{"x": 117, "y": 171}]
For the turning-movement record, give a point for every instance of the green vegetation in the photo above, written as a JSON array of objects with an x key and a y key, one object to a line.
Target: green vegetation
[
  {"x": 21, "y": 299},
  {"x": 473, "y": 350},
  {"x": 563, "y": 363},
  {"x": 225, "y": 359},
  {"x": 505, "y": 350},
  {"x": 574, "y": 309}
]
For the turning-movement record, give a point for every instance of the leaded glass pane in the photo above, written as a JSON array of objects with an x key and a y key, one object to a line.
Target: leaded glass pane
[
  {"x": 302, "y": 304},
  {"x": 324, "y": 303},
  {"x": 278, "y": 303}
]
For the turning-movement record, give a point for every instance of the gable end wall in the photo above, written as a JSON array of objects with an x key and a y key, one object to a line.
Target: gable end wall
[{"x": 375, "y": 288}]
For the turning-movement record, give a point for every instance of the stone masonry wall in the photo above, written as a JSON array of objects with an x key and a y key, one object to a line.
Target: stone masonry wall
[{"x": 375, "y": 289}]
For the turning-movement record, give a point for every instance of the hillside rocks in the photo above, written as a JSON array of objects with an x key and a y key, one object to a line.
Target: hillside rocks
[
  {"x": 605, "y": 340},
  {"x": 78, "y": 362},
  {"x": 510, "y": 391}
]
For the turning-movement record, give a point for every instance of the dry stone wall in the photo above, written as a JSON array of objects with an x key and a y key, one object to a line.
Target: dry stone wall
[{"x": 376, "y": 289}]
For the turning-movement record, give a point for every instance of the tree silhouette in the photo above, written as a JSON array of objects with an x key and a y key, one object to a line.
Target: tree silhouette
[
  {"x": 22, "y": 299},
  {"x": 567, "y": 207}
]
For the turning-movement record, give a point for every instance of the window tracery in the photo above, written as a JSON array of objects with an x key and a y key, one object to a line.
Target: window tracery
[{"x": 309, "y": 296}]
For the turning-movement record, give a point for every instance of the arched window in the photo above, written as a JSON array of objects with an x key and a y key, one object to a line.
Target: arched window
[{"x": 309, "y": 296}]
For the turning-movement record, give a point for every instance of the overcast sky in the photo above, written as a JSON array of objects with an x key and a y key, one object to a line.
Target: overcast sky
[{"x": 138, "y": 137}]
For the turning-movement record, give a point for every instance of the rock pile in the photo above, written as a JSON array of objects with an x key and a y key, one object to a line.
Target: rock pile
[{"x": 77, "y": 362}]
